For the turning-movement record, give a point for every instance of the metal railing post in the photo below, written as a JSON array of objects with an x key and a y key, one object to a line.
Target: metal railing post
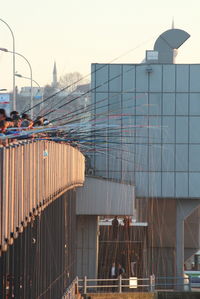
[
  {"x": 120, "y": 284},
  {"x": 77, "y": 286},
  {"x": 85, "y": 285},
  {"x": 189, "y": 284},
  {"x": 152, "y": 283}
]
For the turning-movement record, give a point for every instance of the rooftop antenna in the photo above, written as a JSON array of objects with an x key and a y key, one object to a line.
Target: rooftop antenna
[{"x": 173, "y": 23}]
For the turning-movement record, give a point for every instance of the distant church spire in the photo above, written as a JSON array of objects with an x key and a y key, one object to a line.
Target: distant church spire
[{"x": 55, "y": 82}]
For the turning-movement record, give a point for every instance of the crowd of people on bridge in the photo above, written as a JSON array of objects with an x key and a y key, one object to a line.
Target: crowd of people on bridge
[
  {"x": 22, "y": 127},
  {"x": 15, "y": 120}
]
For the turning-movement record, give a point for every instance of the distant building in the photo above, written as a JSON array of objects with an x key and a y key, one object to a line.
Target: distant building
[
  {"x": 157, "y": 102},
  {"x": 38, "y": 91},
  {"x": 155, "y": 108},
  {"x": 26, "y": 92},
  {"x": 80, "y": 95}
]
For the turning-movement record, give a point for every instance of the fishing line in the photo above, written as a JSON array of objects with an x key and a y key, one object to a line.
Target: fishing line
[{"x": 104, "y": 65}]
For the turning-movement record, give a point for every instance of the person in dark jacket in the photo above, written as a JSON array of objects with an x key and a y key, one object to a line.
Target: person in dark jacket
[
  {"x": 115, "y": 227},
  {"x": 113, "y": 274},
  {"x": 120, "y": 270}
]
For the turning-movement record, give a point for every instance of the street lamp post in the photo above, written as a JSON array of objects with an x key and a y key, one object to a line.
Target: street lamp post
[
  {"x": 13, "y": 51},
  {"x": 42, "y": 92},
  {"x": 20, "y": 76},
  {"x": 31, "y": 77}
]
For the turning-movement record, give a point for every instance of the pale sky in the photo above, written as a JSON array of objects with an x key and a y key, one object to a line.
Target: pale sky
[{"x": 76, "y": 33}]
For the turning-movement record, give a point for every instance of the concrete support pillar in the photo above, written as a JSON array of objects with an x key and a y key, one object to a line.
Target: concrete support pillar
[
  {"x": 184, "y": 208},
  {"x": 87, "y": 246}
]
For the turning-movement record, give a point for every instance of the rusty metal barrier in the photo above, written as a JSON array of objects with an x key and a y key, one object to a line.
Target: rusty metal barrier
[
  {"x": 32, "y": 175},
  {"x": 72, "y": 290}
]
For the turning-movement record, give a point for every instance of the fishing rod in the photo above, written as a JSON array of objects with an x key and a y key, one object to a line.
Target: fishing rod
[
  {"x": 101, "y": 67},
  {"x": 95, "y": 107},
  {"x": 119, "y": 158},
  {"x": 91, "y": 90},
  {"x": 109, "y": 113}
]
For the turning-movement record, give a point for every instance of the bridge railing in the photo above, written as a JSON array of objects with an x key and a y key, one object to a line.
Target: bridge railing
[
  {"x": 130, "y": 284},
  {"x": 72, "y": 290},
  {"x": 89, "y": 285},
  {"x": 32, "y": 175}
]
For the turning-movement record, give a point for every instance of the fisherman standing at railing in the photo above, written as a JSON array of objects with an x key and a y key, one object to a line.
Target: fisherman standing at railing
[
  {"x": 127, "y": 223},
  {"x": 115, "y": 227},
  {"x": 120, "y": 270},
  {"x": 27, "y": 122},
  {"x": 5, "y": 121},
  {"x": 113, "y": 274}
]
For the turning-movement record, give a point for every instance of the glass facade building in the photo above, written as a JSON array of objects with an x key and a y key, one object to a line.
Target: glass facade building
[{"x": 149, "y": 118}]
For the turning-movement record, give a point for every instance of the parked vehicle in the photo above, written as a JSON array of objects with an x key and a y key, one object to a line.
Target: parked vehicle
[{"x": 194, "y": 278}]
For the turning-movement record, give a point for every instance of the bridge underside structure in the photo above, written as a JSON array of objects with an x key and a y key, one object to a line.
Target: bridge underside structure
[
  {"x": 174, "y": 237},
  {"x": 98, "y": 197},
  {"x": 38, "y": 218}
]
